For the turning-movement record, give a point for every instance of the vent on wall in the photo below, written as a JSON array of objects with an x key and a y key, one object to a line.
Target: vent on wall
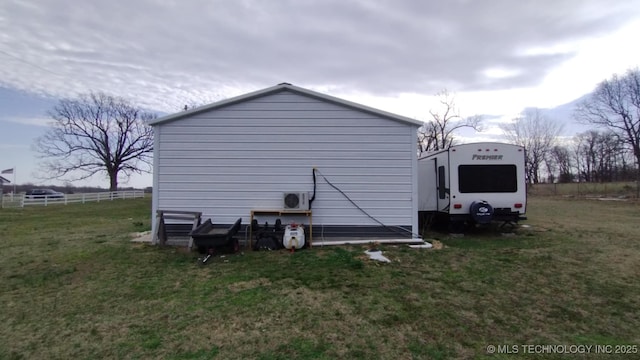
[{"x": 295, "y": 201}]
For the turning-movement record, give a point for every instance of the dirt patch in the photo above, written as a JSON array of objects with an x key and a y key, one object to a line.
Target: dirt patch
[
  {"x": 141, "y": 237},
  {"x": 526, "y": 227},
  {"x": 251, "y": 284},
  {"x": 437, "y": 245}
]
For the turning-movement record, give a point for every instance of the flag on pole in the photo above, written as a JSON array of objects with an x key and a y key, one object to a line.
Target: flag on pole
[{"x": 7, "y": 171}]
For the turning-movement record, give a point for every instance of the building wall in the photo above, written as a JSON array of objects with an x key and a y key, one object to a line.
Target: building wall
[{"x": 230, "y": 160}]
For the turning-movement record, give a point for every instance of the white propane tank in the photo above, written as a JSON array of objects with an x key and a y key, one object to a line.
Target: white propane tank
[{"x": 293, "y": 237}]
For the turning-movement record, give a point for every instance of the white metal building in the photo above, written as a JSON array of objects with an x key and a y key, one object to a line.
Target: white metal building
[{"x": 230, "y": 157}]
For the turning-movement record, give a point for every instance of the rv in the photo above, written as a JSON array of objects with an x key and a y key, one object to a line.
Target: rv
[{"x": 472, "y": 184}]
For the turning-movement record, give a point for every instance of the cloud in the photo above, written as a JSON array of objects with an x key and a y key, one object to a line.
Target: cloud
[
  {"x": 13, "y": 146},
  {"x": 32, "y": 121},
  {"x": 164, "y": 54}
]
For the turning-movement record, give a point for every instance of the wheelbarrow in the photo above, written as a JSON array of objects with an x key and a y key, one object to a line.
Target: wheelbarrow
[{"x": 210, "y": 239}]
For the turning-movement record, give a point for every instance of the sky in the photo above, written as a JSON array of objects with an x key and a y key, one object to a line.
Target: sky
[{"x": 497, "y": 56}]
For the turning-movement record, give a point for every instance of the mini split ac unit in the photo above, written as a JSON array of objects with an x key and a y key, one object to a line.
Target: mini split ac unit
[{"x": 295, "y": 201}]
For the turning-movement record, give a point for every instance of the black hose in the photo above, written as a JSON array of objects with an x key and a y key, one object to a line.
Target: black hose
[{"x": 313, "y": 173}]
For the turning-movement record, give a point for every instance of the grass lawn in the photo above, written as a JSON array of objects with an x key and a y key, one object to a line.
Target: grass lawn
[{"x": 73, "y": 286}]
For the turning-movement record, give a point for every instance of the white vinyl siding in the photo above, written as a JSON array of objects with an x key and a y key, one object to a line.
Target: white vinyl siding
[{"x": 229, "y": 160}]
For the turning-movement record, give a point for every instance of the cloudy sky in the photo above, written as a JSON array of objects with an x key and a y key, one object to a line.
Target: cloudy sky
[{"x": 498, "y": 56}]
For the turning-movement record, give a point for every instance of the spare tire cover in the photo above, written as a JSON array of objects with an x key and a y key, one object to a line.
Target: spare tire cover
[{"x": 481, "y": 212}]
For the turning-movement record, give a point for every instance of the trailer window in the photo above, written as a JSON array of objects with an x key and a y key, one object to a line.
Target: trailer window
[{"x": 487, "y": 178}]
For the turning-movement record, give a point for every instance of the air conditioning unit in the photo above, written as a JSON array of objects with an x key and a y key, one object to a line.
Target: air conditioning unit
[{"x": 295, "y": 201}]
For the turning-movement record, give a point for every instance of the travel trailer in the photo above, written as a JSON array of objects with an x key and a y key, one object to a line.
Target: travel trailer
[{"x": 472, "y": 184}]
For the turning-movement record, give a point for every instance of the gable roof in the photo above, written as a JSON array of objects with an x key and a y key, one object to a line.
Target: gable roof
[{"x": 286, "y": 87}]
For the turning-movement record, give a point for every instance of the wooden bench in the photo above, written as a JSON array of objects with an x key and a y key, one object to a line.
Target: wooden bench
[{"x": 185, "y": 219}]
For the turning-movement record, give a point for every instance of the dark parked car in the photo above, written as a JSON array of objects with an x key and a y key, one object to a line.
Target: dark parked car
[{"x": 43, "y": 193}]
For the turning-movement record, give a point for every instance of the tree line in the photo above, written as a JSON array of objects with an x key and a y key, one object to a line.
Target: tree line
[{"x": 608, "y": 152}]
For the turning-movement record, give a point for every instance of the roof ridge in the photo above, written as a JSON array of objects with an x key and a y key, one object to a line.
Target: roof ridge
[{"x": 280, "y": 87}]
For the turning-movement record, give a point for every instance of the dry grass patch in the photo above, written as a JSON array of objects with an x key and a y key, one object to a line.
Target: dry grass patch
[{"x": 246, "y": 285}]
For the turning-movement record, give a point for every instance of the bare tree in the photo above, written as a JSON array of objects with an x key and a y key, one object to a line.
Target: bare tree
[
  {"x": 437, "y": 133},
  {"x": 96, "y": 133},
  {"x": 200, "y": 100},
  {"x": 537, "y": 134},
  {"x": 615, "y": 105},
  {"x": 586, "y": 154},
  {"x": 561, "y": 157},
  {"x": 427, "y": 137},
  {"x": 601, "y": 156}
]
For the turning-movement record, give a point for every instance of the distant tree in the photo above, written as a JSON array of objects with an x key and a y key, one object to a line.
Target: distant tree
[
  {"x": 427, "y": 138},
  {"x": 437, "y": 133},
  {"x": 96, "y": 133},
  {"x": 561, "y": 157},
  {"x": 585, "y": 154},
  {"x": 610, "y": 149},
  {"x": 201, "y": 100},
  {"x": 601, "y": 156},
  {"x": 615, "y": 105},
  {"x": 537, "y": 134}
]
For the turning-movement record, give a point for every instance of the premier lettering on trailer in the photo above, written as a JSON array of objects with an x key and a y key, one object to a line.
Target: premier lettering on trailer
[{"x": 486, "y": 157}]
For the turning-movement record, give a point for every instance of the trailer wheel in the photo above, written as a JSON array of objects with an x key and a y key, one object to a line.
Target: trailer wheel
[{"x": 481, "y": 212}]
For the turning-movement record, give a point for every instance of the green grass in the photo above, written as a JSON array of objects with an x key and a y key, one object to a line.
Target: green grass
[
  {"x": 72, "y": 285},
  {"x": 613, "y": 189}
]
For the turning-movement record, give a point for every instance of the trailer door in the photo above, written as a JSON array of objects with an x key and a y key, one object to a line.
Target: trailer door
[
  {"x": 443, "y": 188},
  {"x": 427, "y": 185}
]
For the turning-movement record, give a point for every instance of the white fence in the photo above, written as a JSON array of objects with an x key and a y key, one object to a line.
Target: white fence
[{"x": 21, "y": 201}]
